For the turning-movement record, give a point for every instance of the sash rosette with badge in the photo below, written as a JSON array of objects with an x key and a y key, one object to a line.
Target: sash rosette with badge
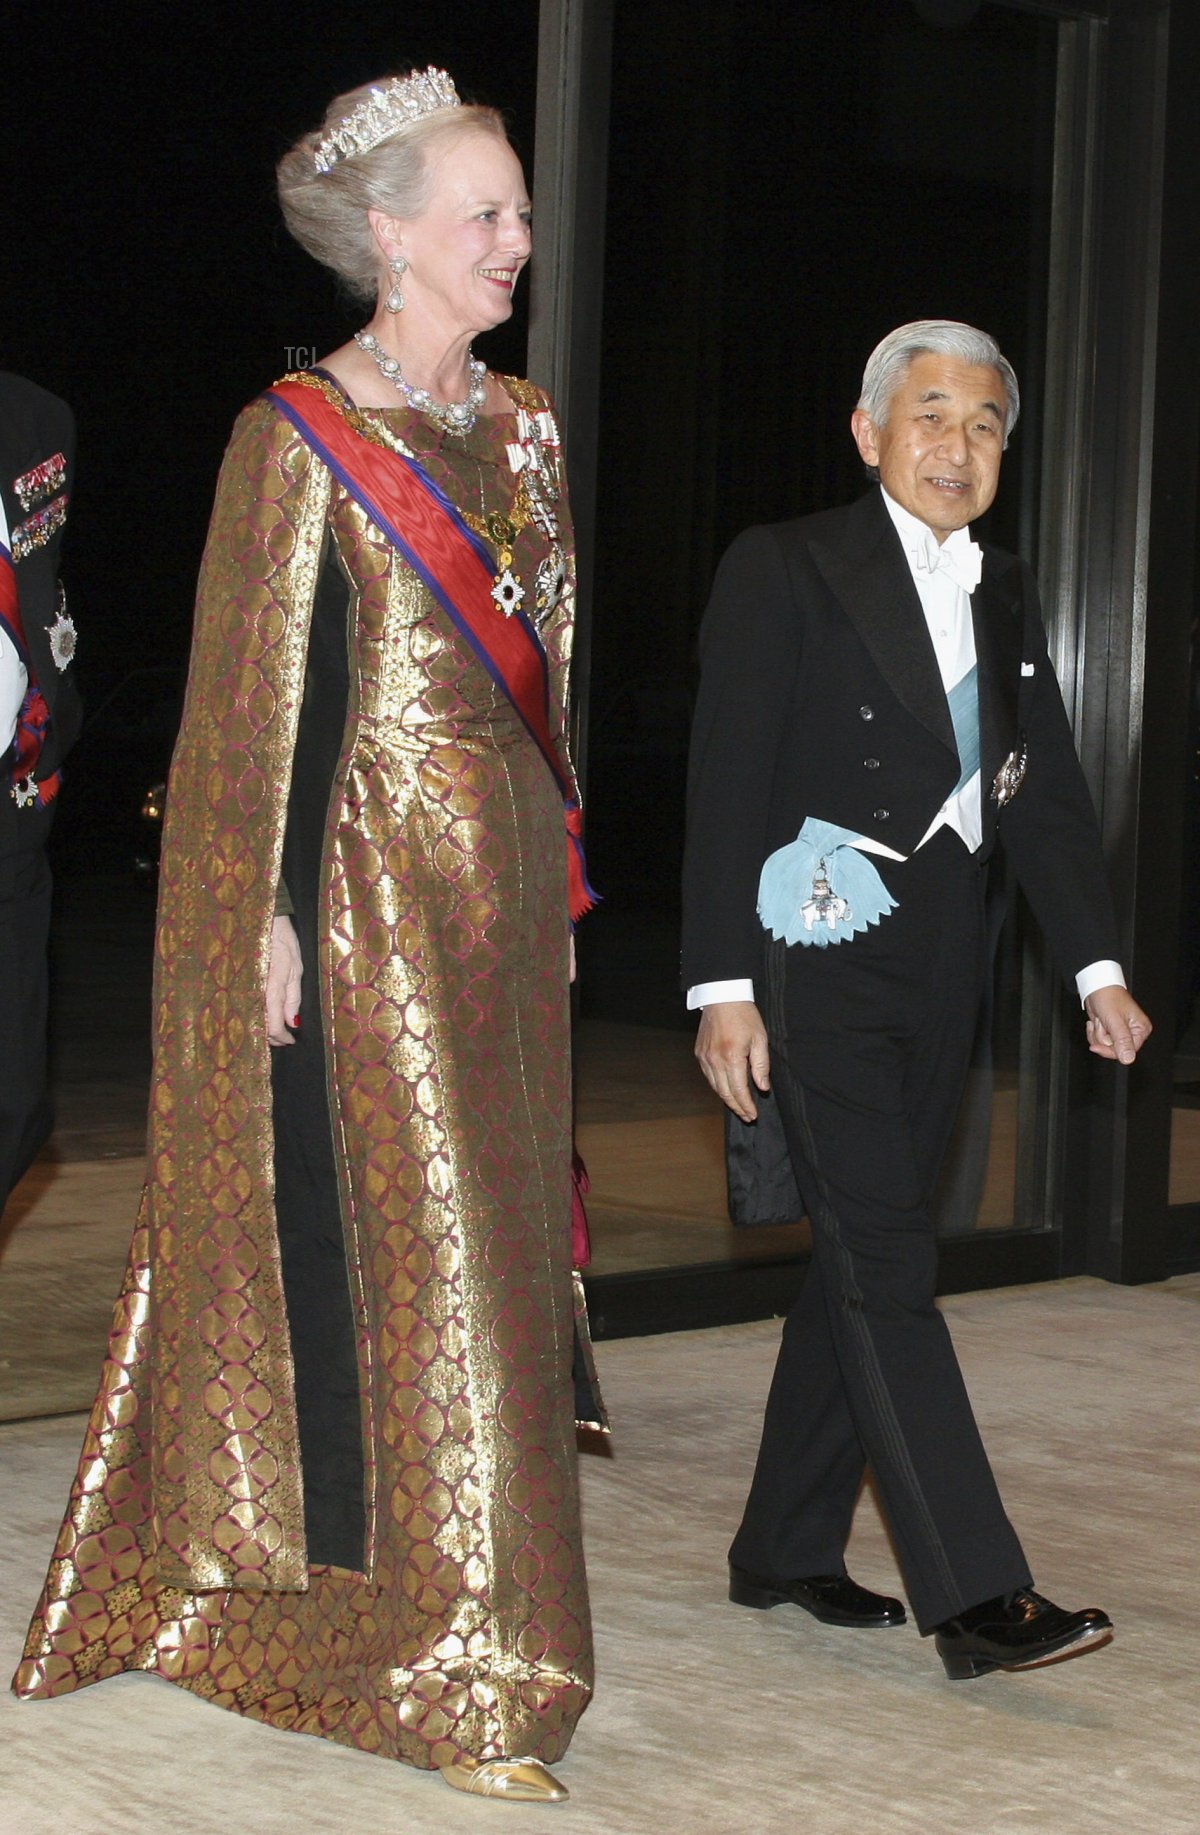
[{"x": 821, "y": 888}]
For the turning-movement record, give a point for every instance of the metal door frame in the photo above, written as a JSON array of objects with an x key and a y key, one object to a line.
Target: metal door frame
[{"x": 1116, "y": 564}]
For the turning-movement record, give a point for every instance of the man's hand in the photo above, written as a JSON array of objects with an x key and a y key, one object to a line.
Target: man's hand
[
  {"x": 1116, "y": 1026},
  {"x": 283, "y": 982},
  {"x": 732, "y": 1048}
]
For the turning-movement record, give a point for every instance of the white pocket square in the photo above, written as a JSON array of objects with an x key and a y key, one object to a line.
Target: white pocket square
[{"x": 1027, "y": 668}]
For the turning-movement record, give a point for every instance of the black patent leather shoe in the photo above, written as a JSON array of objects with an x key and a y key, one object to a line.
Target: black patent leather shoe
[
  {"x": 1019, "y": 1631},
  {"x": 833, "y": 1598}
]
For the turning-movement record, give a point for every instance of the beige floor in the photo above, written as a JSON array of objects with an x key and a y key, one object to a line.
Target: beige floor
[
  {"x": 714, "y": 1721},
  {"x": 648, "y": 1128}
]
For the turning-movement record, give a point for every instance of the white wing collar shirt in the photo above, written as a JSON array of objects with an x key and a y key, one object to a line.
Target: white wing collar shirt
[{"x": 945, "y": 575}]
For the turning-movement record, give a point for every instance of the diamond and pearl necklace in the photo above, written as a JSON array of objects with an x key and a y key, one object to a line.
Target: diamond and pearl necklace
[{"x": 454, "y": 416}]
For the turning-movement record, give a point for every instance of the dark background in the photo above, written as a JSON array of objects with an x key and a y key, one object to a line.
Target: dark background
[
  {"x": 787, "y": 181},
  {"x": 145, "y": 276}
]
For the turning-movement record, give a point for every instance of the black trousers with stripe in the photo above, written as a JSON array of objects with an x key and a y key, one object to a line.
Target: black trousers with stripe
[{"x": 870, "y": 1043}]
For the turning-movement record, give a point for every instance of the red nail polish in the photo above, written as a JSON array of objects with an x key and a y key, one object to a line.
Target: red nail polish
[{"x": 296, "y": 1020}]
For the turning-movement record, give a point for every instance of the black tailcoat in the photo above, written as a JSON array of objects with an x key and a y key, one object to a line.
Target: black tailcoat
[
  {"x": 821, "y": 697},
  {"x": 36, "y": 426},
  {"x": 37, "y": 454}
]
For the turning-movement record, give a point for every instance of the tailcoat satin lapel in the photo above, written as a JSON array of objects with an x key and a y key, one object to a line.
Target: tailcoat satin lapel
[
  {"x": 869, "y": 576},
  {"x": 997, "y": 618}
]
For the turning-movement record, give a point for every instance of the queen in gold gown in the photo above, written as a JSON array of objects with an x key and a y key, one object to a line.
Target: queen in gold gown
[{"x": 329, "y": 1479}]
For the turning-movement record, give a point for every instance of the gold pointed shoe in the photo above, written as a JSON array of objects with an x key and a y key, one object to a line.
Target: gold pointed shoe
[{"x": 519, "y": 1780}]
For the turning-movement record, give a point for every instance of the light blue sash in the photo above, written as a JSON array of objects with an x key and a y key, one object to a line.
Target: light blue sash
[
  {"x": 964, "y": 713},
  {"x": 820, "y": 889}
]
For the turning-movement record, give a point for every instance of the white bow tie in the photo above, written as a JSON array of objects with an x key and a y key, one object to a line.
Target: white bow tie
[{"x": 958, "y": 558}]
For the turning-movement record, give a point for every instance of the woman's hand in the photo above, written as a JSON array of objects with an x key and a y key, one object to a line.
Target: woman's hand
[{"x": 283, "y": 983}]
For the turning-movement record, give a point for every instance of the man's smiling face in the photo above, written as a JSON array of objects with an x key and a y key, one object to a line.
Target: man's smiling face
[{"x": 938, "y": 452}]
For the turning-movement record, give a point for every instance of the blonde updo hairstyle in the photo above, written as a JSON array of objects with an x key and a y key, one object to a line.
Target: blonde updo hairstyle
[{"x": 326, "y": 212}]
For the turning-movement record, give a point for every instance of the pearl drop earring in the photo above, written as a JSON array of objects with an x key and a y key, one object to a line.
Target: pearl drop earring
[{"x": 395, "y": 299}]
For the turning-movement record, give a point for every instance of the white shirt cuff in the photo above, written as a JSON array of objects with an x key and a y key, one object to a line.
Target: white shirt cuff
[
  {"x": 709, "y": 993},
  {"x": 1098, "y": 975}
]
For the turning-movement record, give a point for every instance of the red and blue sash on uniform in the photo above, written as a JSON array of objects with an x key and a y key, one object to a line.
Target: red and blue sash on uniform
[
  {"x": 33, "y": 719},
  {"x": 423, "y": 525}
]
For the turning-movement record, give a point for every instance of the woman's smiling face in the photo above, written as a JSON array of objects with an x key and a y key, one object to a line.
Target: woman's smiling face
[{"x": 469, "y": 244}]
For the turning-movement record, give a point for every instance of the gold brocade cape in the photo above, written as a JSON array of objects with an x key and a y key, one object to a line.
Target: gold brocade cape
[
  {"x": 225, "y": 1450},
  {"x": 442, "y": 984}
]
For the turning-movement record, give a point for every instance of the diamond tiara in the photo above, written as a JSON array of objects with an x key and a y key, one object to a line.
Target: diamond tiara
[{"x": 387, "y": 107}]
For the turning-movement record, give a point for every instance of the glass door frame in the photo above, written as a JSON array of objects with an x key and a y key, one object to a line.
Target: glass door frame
[
  {"x": 1116, "y": 566},
  {"x": 1120, "y": 438}
]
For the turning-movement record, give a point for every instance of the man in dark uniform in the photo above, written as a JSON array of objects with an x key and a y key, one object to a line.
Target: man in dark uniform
[
  {"x": 876, "y": 704},
  {"x": 39, "y": 719}
]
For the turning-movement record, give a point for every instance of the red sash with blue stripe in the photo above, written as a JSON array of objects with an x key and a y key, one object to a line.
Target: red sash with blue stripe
[
  {"x": 423, "y": 525},
  {"x": 34, "y": 716}
]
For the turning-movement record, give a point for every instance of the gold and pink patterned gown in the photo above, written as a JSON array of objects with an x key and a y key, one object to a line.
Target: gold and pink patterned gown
[{"x": 442, "y": 972}]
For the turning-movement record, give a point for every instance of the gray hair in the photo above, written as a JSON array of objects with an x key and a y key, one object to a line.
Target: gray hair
[
  {"x": 889, "y": 362},
  {"x": 326, "y": 212}
]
